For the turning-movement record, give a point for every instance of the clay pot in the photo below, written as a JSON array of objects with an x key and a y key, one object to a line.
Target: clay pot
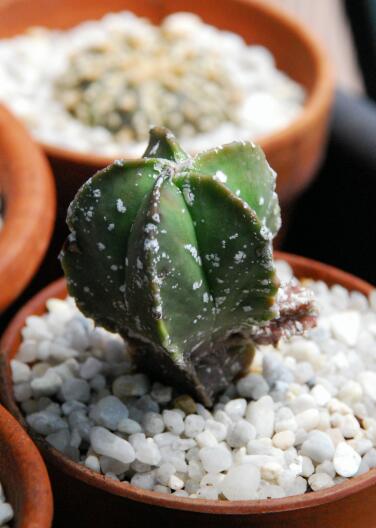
[
  {"x": 294, "y": 152},
  {"x": 84, "y": 497},
  {"x": 28, "y": 192},
  {"x": 23, "y": 476}
]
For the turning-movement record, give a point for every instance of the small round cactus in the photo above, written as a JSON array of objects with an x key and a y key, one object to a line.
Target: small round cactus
[{"x": 175, "y": 254}]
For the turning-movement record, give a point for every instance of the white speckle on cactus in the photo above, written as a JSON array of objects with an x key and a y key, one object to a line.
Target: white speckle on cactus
[
  {"x": 239, "y": 257},
  {"x": 121, "y": 208},
  {"x": 220, "y": 176}
]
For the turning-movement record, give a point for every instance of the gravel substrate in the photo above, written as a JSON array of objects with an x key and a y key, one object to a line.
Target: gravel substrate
[
  {"x": 268, "y": 99},
  {"x": 303, "y": 419},
  {"x": 6, "y": 510}
]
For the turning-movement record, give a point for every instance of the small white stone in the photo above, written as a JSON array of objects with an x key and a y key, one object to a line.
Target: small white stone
[
  {"x": 22, "y": 392},
  {"x": 193, "y": 425},
  {"x": 148, "y": 452},
  {"x": 318, "y": 446},
  {"x": 106, "y": 443},
  {"x": 6, "y": 513},
  {"x": 346, "y": 460},
  {"x": 143, "y": 480},
  {"x": 284, "y": 439},
  {"x": 370, "y": 458},
  {"x": 296, "y": 487},
  {"x": 367, "y": 379},
  {"x": 320, "y": 395},
  {"x": 27, "y": 353},
  {"x": 346, "y": 326},
  {"x": 302, "y": 403},
  {"x": 206, "y": 439},
  {"x": 76, "y": 389},
  {"x": 261, "y": 415},
  {"x": 319, "y": 481},
  {"x": 217, "y": 429},
  {"x": 175, "y": 483},
  {"x": 164, "y": 473},
  {"x": 59, "y": 440},
  {"x": 241, "y": 482},
  {"x": 20, "y": 371},
  {"x": 350, "y": 426},
  {"x": 208, "y": 493},
  {"x": 90, "y": 368},
  {"x": 326, "y": 467},
  {"x": 260, "y": 446},
  {"x": 92, "y": 462},
  {"x": 110, "y": 465},
  {"x": 46, "y": 385},
  {"x": 270, "y": 471},
  {"x": 252, "y": 386},
  {"x": 153, "y": 423},
  {"x": 308, "y": 419},
  {"x": 271, "y": 491},
  {"x": 126, "y": 425},
  {"x": 241, "y": 433},
  {"x": 236, "y": 408},
  {"x": 307, "y": 467},
  {"x": 46, "y": 423},
  {"x": 215, "y": 459},
  {"x": 109, "y": 411},
  {"x": 173, "y": 421},
  {"x": 285, "y": 420}
]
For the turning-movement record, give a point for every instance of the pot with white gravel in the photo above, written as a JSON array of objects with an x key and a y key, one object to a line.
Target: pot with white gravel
[
  {"x": 293, "y": 146},
  {"x": 298, "y": 429},
  {"x": 25, "y": 491}
]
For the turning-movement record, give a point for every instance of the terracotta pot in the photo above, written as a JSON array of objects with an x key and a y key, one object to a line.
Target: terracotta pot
[
  {"x": 27, "y": 188},
  {"x": 294, "y": 152},
  {"x": 84, "y": 497},
  {"x": 23, "y": 476}
]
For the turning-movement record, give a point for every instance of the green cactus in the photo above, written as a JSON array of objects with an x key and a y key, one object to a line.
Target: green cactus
[{"x": 175, "y": 254}]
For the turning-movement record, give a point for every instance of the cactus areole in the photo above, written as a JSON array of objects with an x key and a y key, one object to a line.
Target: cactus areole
[{"x": 175, "y": 254}]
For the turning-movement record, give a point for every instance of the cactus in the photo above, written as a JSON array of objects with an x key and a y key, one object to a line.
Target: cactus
[{"x": 175, "y": 254}]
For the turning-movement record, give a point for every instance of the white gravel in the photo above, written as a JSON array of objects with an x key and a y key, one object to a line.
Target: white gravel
[
  {"x": 272, "y": 100},
  {"x": 6, "y": 510},
  {"x": 303, "y": 419}
]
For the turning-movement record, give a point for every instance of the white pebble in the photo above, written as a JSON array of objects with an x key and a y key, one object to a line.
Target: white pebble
[
  {"x": 346, "y": 460},
  {"x": 236, "y": 408},
  {"x": 173, "y": 421},
  {"x": 284, "y": 439},
  {"x": 215, "y": 459},
  {"x": 109, "y": 411},
  {"x": 76, "y": 389},
  {"x": 319, "y": 481},
  {"x": 261, "y": 415},
  {"x": 106, "y": 443},
  {"x": 6, "y": 513},
  {"x": 241, "y": 482},
  {"x": 193, "y": 425},
  {"x": 318, "y": 446}
]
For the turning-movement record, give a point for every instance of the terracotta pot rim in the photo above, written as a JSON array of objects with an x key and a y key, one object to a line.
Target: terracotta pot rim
[
  {"x": 319, "y": 271},
  {"x": 29, "y": 464},
  {"x": 23, "y": 235},
  {"x": 319, "y": 97}
]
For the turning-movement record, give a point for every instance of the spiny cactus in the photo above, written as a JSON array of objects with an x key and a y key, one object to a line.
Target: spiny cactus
[{"x": 175, "y": 254}]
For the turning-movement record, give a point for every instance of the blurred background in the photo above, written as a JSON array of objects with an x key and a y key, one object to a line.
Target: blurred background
[{"x": 334, "y": 219}]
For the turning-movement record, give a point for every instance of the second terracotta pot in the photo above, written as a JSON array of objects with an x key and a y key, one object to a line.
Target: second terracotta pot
[
  {"x": 85, "y": 498},
  {"x": 23, "y": 476},
  {"x": 294, "y": 152}
]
